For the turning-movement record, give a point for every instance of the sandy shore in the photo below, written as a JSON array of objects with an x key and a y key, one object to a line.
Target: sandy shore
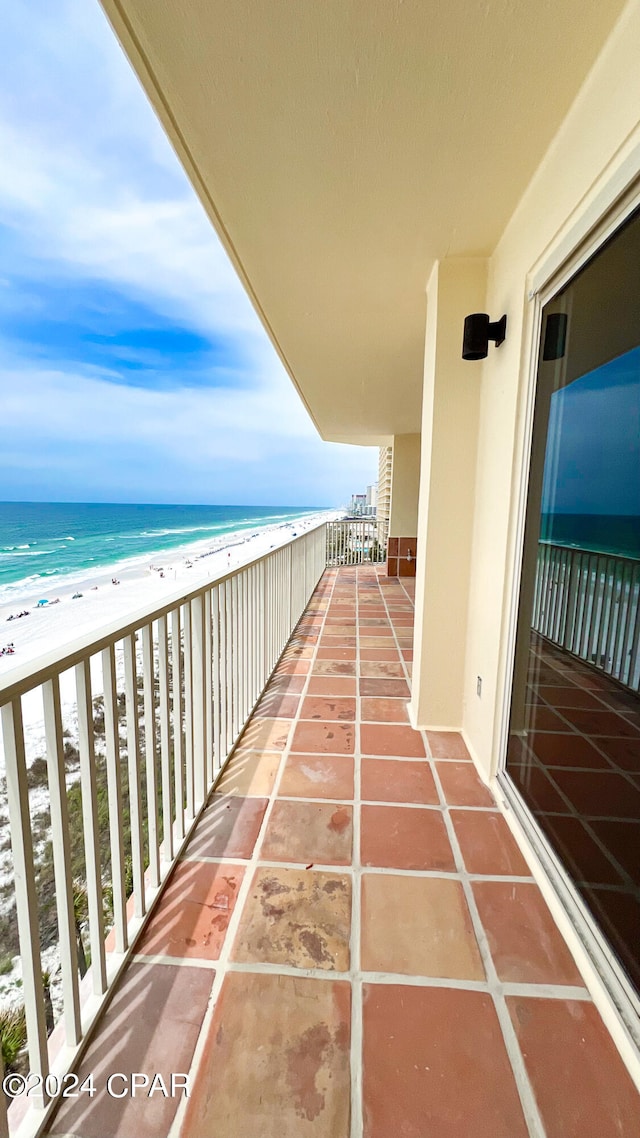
[{"x": 101, "y": 602}]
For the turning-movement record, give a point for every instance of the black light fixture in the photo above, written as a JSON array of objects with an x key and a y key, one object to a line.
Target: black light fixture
[{"x": 478, "y": 330}]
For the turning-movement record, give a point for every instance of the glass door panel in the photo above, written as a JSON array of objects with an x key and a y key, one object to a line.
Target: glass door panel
[{"x": 574, "y": 730}]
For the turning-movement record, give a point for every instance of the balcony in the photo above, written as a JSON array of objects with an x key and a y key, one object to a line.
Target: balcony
[{"x": 350, "y": 941}]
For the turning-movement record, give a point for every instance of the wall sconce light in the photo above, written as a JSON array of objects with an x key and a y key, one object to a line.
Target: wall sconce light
[{"x": 478, "y": 330}]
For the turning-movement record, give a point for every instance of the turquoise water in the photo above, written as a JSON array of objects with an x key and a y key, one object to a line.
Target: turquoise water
[
  {"x": 41, "y": 542},
  {"x": 604, "y": 533}
]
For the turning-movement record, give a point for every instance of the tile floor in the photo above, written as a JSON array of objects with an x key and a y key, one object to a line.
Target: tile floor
[
  {"x": 577, "y": 765},
  {"x": 352, "y": 944}
]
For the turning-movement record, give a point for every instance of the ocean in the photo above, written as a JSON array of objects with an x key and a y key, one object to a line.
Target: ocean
[
  {"x": 604, "y": 533},
  {"x": 45, "y": 542}
]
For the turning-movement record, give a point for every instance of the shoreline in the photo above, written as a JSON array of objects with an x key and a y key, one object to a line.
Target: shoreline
[{"x": 140, "y": 582}]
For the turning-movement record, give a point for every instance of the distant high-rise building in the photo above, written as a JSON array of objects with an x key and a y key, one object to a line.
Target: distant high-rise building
[
  {"x": 372, "y": 497},
  {"x": 383, "y": 509}
]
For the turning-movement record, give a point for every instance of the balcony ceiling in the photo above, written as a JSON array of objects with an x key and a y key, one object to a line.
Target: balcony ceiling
[{"x": 340, "y": 147}]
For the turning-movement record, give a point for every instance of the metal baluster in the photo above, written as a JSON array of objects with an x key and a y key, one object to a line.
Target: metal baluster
[
  {"x": 133, "y": 765},
  {"x": 165, "y": 740},
  {"x": 176, "y": 707},
  {"x": 114, "y": 794},
  {"x": 90, "y": 826}
]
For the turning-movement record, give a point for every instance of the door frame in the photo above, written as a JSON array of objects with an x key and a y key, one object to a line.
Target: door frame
[{"x": 613, "y": 203}]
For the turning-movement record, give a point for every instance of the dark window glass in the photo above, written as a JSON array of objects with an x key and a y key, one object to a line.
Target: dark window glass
[{"x": 574, "y": 733}]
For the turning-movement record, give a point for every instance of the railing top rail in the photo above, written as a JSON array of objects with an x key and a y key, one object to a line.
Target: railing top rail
[
  {"x": 31, "y": 674},
  {"x": 591, "y": 552}
]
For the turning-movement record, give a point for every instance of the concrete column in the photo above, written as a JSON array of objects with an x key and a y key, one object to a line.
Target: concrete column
[
  {"x": 405, "y": 486},
  {"x": 450, "y": 418}
]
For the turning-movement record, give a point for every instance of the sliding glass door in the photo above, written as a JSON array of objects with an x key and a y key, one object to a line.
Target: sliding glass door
[{"x": 574, "y": 731}]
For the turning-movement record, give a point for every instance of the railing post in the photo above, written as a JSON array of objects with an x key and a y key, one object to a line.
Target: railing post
[
  {"x": 198, "y": 700},
  {"x": 165, "y": 734},
  {"x": 26, "y": 897},
  {"x": 61, "y": 846},
  {"x": 133, "y": 766},
  {"x": 90, "y": 826},
  {"x": 148, "y": 683},
  {"x": 176, "y": 707},
  {"x": 114, "y": 793}
]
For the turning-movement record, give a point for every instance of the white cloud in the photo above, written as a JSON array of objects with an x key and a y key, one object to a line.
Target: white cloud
[{"x": 91, "y": 190}]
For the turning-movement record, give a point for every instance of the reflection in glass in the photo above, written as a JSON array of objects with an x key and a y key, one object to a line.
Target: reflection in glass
[{"x": 574, "y": 737}]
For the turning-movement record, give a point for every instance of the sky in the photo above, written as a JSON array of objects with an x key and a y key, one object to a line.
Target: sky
[
  {"x": 132, "y": 365},
  {"x": 593, "y": 444}
]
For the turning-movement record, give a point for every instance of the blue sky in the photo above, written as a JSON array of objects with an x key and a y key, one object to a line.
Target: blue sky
[
  {"x": 132, "y": 365},
  {"x": 593, "y": 447}
]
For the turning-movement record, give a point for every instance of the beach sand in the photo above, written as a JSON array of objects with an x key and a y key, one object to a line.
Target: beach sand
[{"x": 102, "y": 602}]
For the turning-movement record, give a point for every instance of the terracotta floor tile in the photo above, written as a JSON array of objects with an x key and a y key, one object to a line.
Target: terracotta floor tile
[
  {"x": 390, "y": 654},
  {"x": 250, "y": 773},
  {"x": 625, "y": 753},
  {"x": 404, "y": 837},
  {"x": 419, "y": 926},
  {"x": 375, "y": 641},
  {"x": 382, "y": 669},
  {"x": 286, "y": 684},
  {"x": 398, "y": 689},
  {"x": 384, "y": 710},
  {"x": 536, "y": 788},
  {"x": 296, "y": 917},
  {"x": 568, "y": 696},
  {"x": 525, "y": 943},
  {"x": 391, "y": 780},
  {"x": 332, "y": 685},
  {"x": 601, "y": 722},
  {"x": 317, "y": 776},
  {"x": 298, "y": 651},
  {"x": 337, "y": 642},
  {"x": 622, "y": 839},
  {"x": 447, "y": 745},
  {"x": 334, "y": 668},
  {"x": 265, "y": 735},
  {"x": 307, "y": 832},
  {"x": 192, "y": 916},
  {"x": 582, "y": 856},
  {"x": 330, "y": 710},
  {"x": 435, "y": 1066},
  {"x": 487, "y": 844},
  {"x": 228, "y": 827},
  {"x": 581, "y": 1085},
  {"x": 565, "y": 750},
  {"x": 463, "y": 786},
  {"x": 277, "y": 705},
  {"x": 292, "y": 668},
  {"x": 276, "y": 1061},
  {"x": 541, "y": 718},
  {"x": 313, "y": 737},
  {"x": 593, "y": 793},
  {"x": 391, "y": 739},
  {"x": 335, "y": 653},
  {"x": 151, "y": 1025}
]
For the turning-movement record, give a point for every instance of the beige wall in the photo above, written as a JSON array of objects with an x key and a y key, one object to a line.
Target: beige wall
[
  {"x": 450, "y": 410},
  {"x": 475, "y": 415},
  {"x": 405, "y": 484},
  {"x": 595, "y": 153}
]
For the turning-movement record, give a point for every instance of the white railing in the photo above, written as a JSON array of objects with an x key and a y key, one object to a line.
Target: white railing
[
  {"x": 588, "y": 603},
  {"x": 176, "y": 685},
  {"x": 354, "y": 541}
]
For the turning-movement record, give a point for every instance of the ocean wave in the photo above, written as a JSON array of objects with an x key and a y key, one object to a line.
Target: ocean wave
[{"x": 17, "y": 552}]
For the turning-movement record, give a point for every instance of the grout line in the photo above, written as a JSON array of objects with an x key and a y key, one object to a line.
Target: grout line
[
  {"x": 234, "y": 923},
  {"x": 530, "y": 1109},
  {"x": 357, "y": 1025}
]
